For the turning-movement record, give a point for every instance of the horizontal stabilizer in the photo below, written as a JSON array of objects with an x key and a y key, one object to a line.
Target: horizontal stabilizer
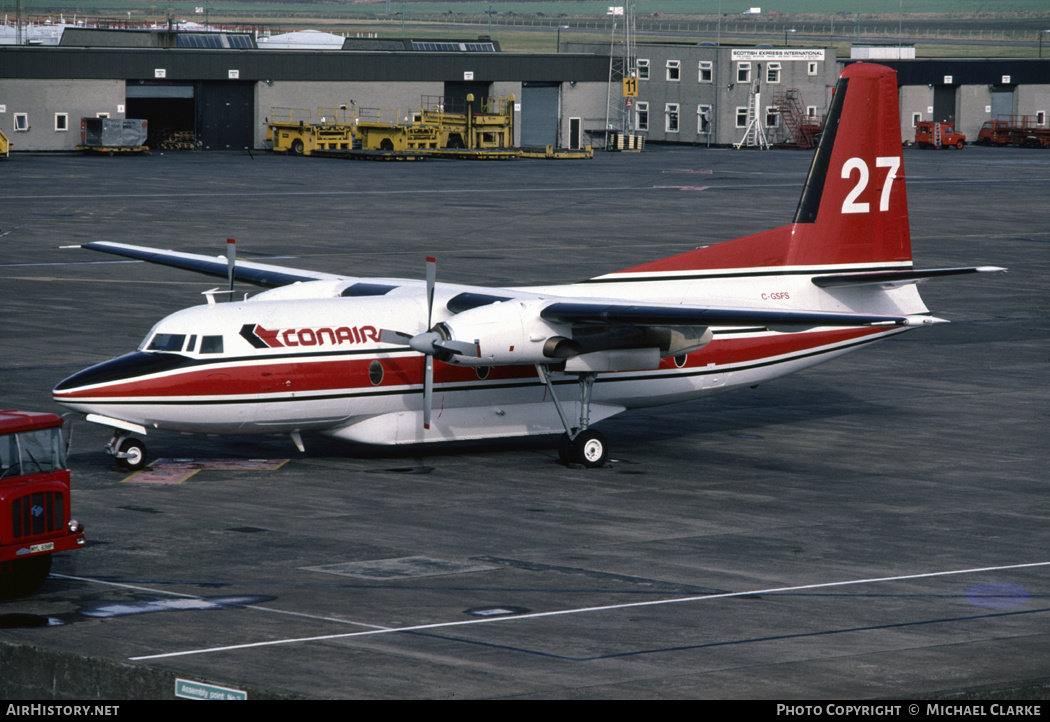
[
  {"x": 890, "y": 279},
  {"x": 607, "y": 314}
]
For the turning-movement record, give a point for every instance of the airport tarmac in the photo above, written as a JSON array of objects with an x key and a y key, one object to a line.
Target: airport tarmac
[{"x": 875, "y": 527}]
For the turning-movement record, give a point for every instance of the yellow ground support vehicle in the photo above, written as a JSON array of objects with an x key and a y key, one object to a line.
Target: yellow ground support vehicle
[
  {"x": 5, "y": 147},
  {"x": 437, "y": 124},
  {"x": 441, "y": 126},
  {"x": 292, "y": 130}
]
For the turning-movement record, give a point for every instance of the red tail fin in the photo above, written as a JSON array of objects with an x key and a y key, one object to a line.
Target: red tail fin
[{"x": 853, "y": 209}]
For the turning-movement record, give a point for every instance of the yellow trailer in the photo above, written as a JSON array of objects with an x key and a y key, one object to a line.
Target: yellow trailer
[{"x": 439, "y": 123}]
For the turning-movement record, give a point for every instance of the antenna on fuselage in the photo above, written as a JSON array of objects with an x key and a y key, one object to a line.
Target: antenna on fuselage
[{"x": 231, "y": 261}]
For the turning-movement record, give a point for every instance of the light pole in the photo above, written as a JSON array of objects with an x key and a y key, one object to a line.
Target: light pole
[
  {"x": 786, "y": 31},
  {"x": 1041, "y": 33},
  {"x": 560, "y": 28}
]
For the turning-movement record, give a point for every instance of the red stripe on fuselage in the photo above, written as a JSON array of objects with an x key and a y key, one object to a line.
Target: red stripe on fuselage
[{"x": 316, "y": 375}]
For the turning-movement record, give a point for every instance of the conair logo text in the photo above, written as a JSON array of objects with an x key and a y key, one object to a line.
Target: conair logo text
[{"x": 260, "y": 337}]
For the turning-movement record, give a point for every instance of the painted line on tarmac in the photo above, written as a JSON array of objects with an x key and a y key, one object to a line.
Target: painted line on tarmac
[{"x": 589, "y": 610}]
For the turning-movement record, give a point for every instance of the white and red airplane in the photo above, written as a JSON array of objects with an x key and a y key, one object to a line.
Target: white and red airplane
[{"x": 401, "y": 361}]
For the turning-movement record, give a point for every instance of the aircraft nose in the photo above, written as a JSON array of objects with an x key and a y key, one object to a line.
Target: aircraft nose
[{"x": 120, "y": 369}]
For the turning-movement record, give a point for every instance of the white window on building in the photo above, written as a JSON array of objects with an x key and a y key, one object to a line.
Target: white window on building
[
  {"x": 61, "y": 122},
  {"x": 813, "y": 68},
  {"x": 101, "y": 115},
  {"x": 21, "y": 122},
  {"x": 772, "y": 117},
  {"x": 741, "y": 116},
  {"x": 703, "y": 119},
  {"x": 641, "y": 115},
  {"x": 671, "y": 113},
  {"x": 772, "y": 72},
  {"x": 743, "y": 72},
  {"x": 915, "y": 118},
  {"x": 707, "y": 72},
  {"x": 674, "y": 71},
  {"x": 1040, "y": 117},
  {"x": 811, "y": 111},
  {"x": 642, "y": 65}
]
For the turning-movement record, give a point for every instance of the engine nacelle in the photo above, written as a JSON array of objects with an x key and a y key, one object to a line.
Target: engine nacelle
[{"x": 507, "y": 333}]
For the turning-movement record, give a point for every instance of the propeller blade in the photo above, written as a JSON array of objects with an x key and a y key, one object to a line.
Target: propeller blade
[
  {"x": 428, "y": 389},
  {"x": 431, "y": 280},
  {"x": 395, "y": 337},
  {"x": 460, "y": 348}
]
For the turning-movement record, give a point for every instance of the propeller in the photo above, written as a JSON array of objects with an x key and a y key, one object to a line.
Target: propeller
[{"x": 430, "y": 343}]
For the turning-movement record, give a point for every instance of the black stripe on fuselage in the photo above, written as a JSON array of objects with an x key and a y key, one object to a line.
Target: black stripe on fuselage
[{"x": 137, "y": 364}]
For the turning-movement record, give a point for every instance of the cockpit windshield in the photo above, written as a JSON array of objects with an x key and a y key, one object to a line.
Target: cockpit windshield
[
  {"x": 177, "y": 343},
  {"x": 170, "y": 342}
]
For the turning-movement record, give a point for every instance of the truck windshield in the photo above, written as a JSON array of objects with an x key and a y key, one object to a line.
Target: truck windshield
[{"x": 31, "y": 452}]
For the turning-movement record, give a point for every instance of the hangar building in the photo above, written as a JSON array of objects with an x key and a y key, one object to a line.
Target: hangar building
[
  {"x": 220, "y": 87},
  {"x": 217, "y": 89}
]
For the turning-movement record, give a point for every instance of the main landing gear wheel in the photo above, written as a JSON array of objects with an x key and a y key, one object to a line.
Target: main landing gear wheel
[
  {"x": 131, "y": 455},
  {"x": 589, "y": 449}
]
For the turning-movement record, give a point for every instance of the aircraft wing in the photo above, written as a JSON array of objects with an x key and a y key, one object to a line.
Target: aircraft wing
[{"x": 259, "y": 274}]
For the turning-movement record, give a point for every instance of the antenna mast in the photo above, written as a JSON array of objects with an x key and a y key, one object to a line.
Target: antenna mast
[{"x": 622, "y": 70}]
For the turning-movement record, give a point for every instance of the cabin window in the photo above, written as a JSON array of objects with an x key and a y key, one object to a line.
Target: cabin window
[
  {"x": 375, "y": 372},
  {"x": 211, "y": 344}
]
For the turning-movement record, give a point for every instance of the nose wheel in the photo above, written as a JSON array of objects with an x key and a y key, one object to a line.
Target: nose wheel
[{"x": 127, "y": 451}]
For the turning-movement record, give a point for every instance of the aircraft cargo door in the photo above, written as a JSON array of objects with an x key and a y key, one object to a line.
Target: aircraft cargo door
[{"x": 539, "y": 114}]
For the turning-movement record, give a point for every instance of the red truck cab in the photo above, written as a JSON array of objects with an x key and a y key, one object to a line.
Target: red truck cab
[{"x": 34, "y": 500}]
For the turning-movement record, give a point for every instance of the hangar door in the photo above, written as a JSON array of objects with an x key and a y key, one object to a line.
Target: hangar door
[
  {"x": 206, "y": 115},
  {"x": 168, "y": 108},
  {"x": 224, "y": 115},
  {"x": 1002, "y": 101},
  {"x": 944, "y": 103},
  {"x": 539, "y": 114}
]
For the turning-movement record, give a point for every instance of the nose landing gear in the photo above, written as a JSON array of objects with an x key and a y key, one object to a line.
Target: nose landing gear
[{"x": 129, "y": 452}]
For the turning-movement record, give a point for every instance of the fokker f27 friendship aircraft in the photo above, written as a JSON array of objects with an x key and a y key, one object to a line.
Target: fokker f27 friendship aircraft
[{"x": 399, "y": 361}]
